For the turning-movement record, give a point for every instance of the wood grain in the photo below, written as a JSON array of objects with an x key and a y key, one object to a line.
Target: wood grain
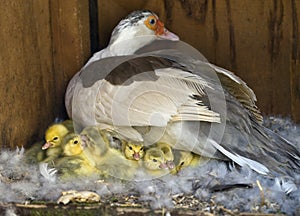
[
  {"x": 295, "y": 61},
  {"x": 43, "y": 43},
  {"x": 71, "y": 43},
  {"x": 26, "y": 71}
]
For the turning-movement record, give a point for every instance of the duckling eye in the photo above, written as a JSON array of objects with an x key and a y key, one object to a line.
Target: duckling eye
[
  {"x": 55, "y": 138},
  {"x": 115, "y": 139},
  {"x": 152, "y": 21},
  {"x": 154, "y": 160},
  {"x": 142, "y": 149},
  {"x": 130, "y": 147},
  {"x": 181, "y": 163},
  {"x": 75, "y": 142}
]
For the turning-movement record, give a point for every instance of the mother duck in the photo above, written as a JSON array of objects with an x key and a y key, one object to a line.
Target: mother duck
[{"x": 150, "y": 86}]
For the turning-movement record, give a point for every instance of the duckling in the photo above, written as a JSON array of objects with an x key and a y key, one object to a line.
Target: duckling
[
  {"x": 53, "y": 136},
  {"x": 75, "y": 166},
  {"x": 168, "y": 153},
  {"x": 132, "y": 150},
  {"x": 185, "y": 158},
  {"x": 72, "y": 145},
  {"x": 154, "y": 159},
  {"x": 74, "y": 163},
  {"x": 154, "y": 163},
  {"x": 96, "y": 141},
  {"x": 109, "y": 161}
]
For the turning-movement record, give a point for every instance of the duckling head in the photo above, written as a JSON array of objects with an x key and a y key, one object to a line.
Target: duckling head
[
  {"x": 168, "y": 154},
  {"x": 72, "y": 145},
  {"x": 134, "y": 151},
  {"x": 93, "y": 142},
  {"x": 154, "y": 159},
  {"x": 54, "y": 135}
]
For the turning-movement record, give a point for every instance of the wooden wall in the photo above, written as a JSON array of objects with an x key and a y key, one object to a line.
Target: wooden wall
[{"x": 44, "y": 42}]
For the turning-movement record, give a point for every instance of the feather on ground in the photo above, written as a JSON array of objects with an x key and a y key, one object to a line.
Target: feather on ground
[{"x": 20, "y": 182}]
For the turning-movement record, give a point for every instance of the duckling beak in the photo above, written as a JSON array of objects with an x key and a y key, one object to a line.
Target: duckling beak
[
  {"x": 170, "y": 164},
  {"x": 47, "y": 145},
  {"x": 84, "y": 141},
  {"x": 163, "y": 166},
  {"x": 136, "y": 156},
  {"x": 83, "y": 145},
  {"x": 164, "y": 33}
]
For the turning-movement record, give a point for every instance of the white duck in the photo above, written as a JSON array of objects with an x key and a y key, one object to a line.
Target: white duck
[{"x": 163, "y": 90}]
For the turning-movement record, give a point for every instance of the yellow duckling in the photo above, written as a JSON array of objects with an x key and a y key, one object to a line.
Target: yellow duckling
[
  {"x": 72, "y": 145},
  {"x": 185, "y": 158},
  {"x": 133, "y": 151},
  {"x": 53, "y": 136},
  {"x": 154, "y": 163},
  {"x": 168, "y": 154},
  {"x": 74, "y": 163},
  {"x": 109, "y": 161}
]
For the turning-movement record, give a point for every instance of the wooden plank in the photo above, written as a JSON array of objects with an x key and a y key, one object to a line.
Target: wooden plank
[
  {"x": 71, "y": 43},
  {"x": 26, "y": 68},
  {"x": 43, "y": 43},
  {"x": 295, "y": 61}
]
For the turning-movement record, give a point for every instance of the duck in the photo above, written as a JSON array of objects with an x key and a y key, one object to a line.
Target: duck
[{"x": 143, "y": 80}]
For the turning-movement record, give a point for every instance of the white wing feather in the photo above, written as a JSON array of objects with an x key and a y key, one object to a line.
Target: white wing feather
[
  {"x": 240, "y": 160},
  {"x": 155, "y": 103}
]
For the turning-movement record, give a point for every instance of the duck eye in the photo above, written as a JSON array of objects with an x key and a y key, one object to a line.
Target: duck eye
[
  {"x": 154, "y": 160},
  {"x": 55, "y": 138},
  {"x": 152, "y": 21}
]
